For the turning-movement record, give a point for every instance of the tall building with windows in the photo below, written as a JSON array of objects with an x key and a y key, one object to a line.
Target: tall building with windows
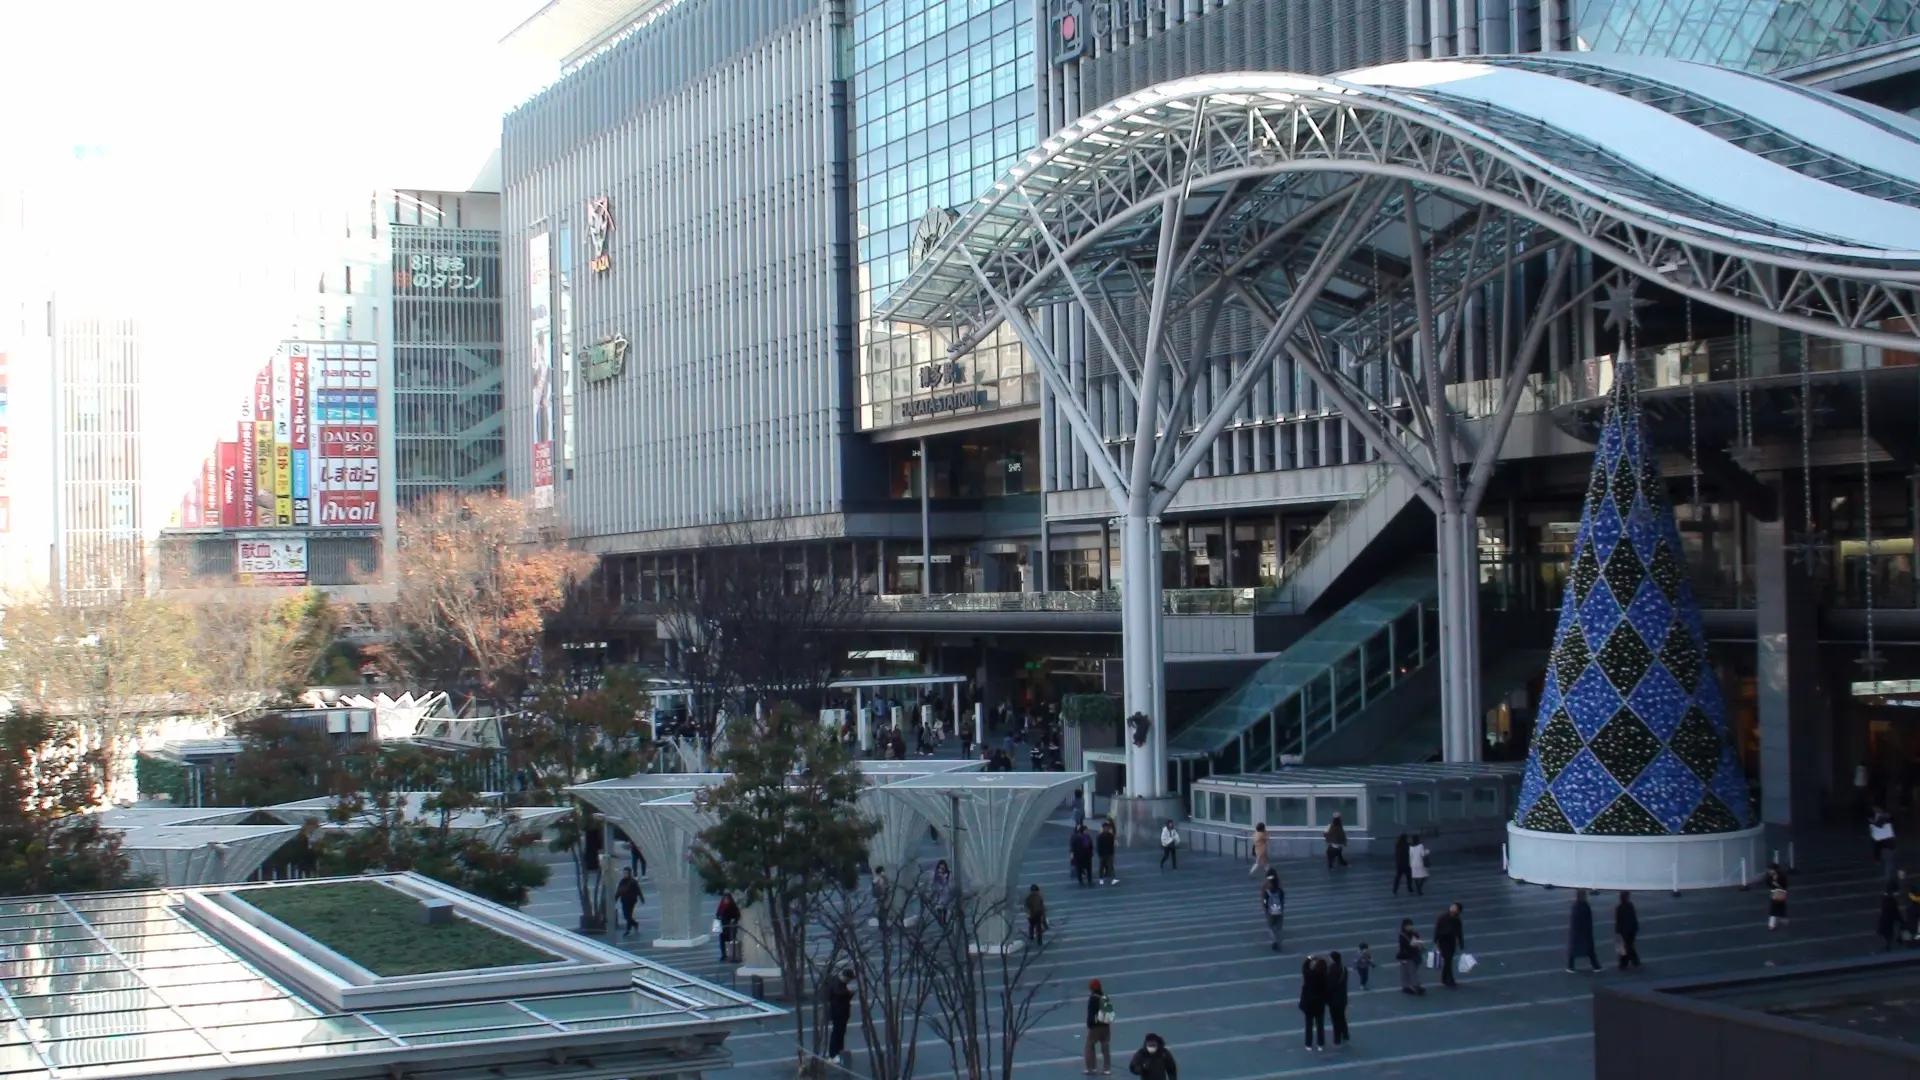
[
  {"x": 100, "y": 547},
  {"x": 449, "y": 424}
]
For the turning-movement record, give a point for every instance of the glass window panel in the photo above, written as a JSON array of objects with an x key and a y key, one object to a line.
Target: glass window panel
[
  {"x": 598, "y": 1006},
  {"x": 1325, "y": 806},
  {"x": 1240, "y": 810},
  {"x": 1486, "y": 802},
  {"x": 105, "y": 1000},
  {"x": 11, "y": 1032},
  {"x": 1217, "y": 806},
  {"x": 1286, "y": 810},
  {"x": 407, "y": 1022},
  {"x": 1419, "y": 808},
  {"x": 324, "y": 1029},
  {"x": 222, "y": 992},
  {"x": 1453, "y": 805},
  {"x": 1200, "y": 804},
  {"x": 73, "y": 984},
  {"x": 90, "y": 1023},
  {"x": 20, "y": 1058},
  {"x": 102, "y": 1051},
  {"x": 227, "y": 971},
  {"x": 49, "y": 947},
  {"x": 177, "y": 958},
  {"x": 479, "y": 1035},
  {"x": 258, "y": 1011},
  {"x": 1386, "y": 813}
]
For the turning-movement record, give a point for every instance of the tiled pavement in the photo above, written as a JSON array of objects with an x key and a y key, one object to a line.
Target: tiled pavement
[{"x": 1185, "y": 954}]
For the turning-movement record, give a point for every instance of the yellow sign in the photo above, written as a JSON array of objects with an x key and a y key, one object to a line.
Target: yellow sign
[
  {"x": 263, "y": 500},
  {"x": 282, "y": 484}
]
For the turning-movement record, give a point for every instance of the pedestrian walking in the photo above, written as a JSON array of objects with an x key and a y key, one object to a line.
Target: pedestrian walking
[
  {"x": 940, "y": 891},
  {"x": 1580, "y": 932},
  {"x": 1626, "y": 928},
  {"x": 1776, "y": 896},
  {"x": 1336, "y": 836},
  {"x": 628, "y": 894},
  {"x": 839, "y": 1014},
  {"x": 727, "y": 917},
  {"x": 1153, "y": 1061},
  {"x": 1337, "y": 998},
  {"x": 1099, "y": 1028},
  {"x": 1080, "y": 855},
  {"x": 1103, "y": 846},
  {"x": 1273, "y": 904},
  {"x": 1885, "y": 850},
  {"x": 1169, "y": 846},
  {"x": 1079, "y": 807},
  {"x": 1036, "y": 916},
  {"x": 1889, "y": 925},
  {"x": 1450, "y": 937},
  {"x": 1313, "y": 1001},
  {"x": 881, "y": 887},
  {"x": 1409, "y": 958},
  {"x": 1402, "y": 864},
  {"x": 1417, "y": 856},
  {"x": 1363, "y": 964},
  {"x": 1259, "y": 850}
]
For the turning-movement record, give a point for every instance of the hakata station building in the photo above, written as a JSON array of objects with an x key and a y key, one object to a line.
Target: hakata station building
[{"x": 1247, "y": 357}]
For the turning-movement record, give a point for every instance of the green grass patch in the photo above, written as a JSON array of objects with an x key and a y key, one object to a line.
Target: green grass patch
[{"x": 379, "y": 928}]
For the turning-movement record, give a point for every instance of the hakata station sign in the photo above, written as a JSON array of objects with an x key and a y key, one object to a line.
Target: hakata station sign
[{"x": 305, "y": 452}]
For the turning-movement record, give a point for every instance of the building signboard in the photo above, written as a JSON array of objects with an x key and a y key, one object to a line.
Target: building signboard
[
  {"x": 279, "y": 561},
  {"x": 439, "y": 275},
  {"x": 604, "y": 361},
  {"x": 540, "y": 358},
  {"x": 229, "y": 484},
  {"x": 1073, "y": 24},
  {"x": 299, "y": 431},
  {"x": 344, "y": 483},
  {"x": 599, "y": 226}
]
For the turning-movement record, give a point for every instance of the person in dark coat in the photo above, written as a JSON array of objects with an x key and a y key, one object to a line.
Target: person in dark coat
[
  {"x": 1626, "y": 927},
  {"x": 1450, "y": 938},
  {"x": 1776, "y": 896},
  {"x": 1402, "y": 864},
  {"x": 839, "y": 1014},
  {"x": 628, "y": 894},
  {"x": 1889, "y": 926},
  {"x": 1408, "y": 956},
  {"x": 1580, "y": 932},
  {"x": 728, "y": 916},
  {"x": 1337, "y": 998},
  {"x": 1153, "y": 1061},
  {"x": 1080, "y": 852},
  {"x": 1313, "y": 1001},
  {"x": 1103, "y": 846}
]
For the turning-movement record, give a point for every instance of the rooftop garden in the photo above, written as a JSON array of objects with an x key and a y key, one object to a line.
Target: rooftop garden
[{"x": 380, "y": 929}]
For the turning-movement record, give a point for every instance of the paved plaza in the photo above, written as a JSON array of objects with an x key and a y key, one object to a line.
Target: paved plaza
[{"x": 1185, "y": 954}]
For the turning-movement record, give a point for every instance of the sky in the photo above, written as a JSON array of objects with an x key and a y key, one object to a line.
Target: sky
[{"x": 176, "y": 157}]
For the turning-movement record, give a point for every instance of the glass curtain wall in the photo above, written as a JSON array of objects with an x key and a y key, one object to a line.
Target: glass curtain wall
[
  {"x": 446, "y": 362},
  {"x": 943, "y": 104}
]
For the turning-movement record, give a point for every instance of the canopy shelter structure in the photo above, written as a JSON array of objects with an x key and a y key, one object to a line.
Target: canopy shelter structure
[
  {"x": 492, "y": 825},
  {"x": 627, "y": 802},
  {"x": 1404, "y": 239},
  {"x": 880, "y": 684},
  {"x": 202, "y": 854}
]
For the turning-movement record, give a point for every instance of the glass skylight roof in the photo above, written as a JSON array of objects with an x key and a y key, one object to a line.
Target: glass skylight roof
[{"x": 120, "y": 984}]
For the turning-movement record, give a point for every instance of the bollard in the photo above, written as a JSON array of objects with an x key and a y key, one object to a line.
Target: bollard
[
  {"x": 1790, "y": 863},
  {"x": 1746, "y": 879},
  {"x": 1676, "y": 877},
  {"x": 1503, "y": 858}
]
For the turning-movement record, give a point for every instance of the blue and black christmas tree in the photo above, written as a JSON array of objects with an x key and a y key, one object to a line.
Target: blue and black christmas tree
[{"x": 1632, "y": 732}]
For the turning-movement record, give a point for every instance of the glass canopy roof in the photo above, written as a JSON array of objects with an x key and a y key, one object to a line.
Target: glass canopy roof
[{"x": 120, "y": 984}]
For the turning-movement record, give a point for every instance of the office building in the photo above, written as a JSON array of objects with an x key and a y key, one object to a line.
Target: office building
[{"x": 761, "y": 191}]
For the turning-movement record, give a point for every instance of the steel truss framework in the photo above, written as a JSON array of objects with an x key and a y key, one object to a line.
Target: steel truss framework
[{"x": 1388, "y": 244}]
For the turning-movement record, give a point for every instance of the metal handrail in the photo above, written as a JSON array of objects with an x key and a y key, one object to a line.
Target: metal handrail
[{"x": 1336, "y": 519}]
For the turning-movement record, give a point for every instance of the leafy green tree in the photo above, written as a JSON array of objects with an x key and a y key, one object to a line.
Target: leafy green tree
[
  {"x": 787, "y": 834},
  {"x": 575, "y": 734},
  {"x": 51, "y": 780},
  {"x": 280, "y": 762}
]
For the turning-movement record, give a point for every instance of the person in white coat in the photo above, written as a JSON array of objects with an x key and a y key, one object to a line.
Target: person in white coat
[
  {"x": 1169, "y": 846},
  {"x": 1417, "y": 863}
]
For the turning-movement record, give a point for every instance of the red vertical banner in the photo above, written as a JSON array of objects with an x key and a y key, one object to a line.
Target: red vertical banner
[{"x": 229, "y": 485}]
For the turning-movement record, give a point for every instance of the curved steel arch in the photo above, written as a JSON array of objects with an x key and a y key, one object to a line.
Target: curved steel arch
[
  {"x": 1166, "y": 143},
  {"x": 1262, "y": 190}
]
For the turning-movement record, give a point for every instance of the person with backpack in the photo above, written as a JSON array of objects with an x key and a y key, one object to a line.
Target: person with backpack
[
  {"x": 1273, "y": 904},
  {"x": 1100, "y": 1018}
]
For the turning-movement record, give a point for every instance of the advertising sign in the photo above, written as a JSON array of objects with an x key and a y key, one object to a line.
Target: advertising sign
[
  {"x": 342, "y": 441},
  {"x": 345, "y": 472},
  {"x": 210, "y": 488},
  {"x": 263, "y": 498},
  {"x": 280, "y": 561},
  {"x": 299, "y": 431},
  {"x": 564, "y": 349},
  {"x": 540, "y": 311},
  {"x": 229, "y": 485}
]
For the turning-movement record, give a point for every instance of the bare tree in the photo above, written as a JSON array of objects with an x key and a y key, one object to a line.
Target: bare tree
[
  {"x": 253, "y": 649},
  {"x": 761, "y": 622},
  {"x": 987, "y": 997},
  {"x": 874, "y": 935},
  {"x": 477, "y": 579},
  {"x": 113, "y": 665}
]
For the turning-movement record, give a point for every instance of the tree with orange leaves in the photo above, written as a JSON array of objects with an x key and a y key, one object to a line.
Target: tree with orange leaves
[{"x": 478, "y": 578}]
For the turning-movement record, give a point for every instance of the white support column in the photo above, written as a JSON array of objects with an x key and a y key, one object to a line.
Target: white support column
[{"x": 1141, "y": 652}]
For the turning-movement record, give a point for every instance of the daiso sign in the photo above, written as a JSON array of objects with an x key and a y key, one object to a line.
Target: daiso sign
[{"x": 349, "y": 508}]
